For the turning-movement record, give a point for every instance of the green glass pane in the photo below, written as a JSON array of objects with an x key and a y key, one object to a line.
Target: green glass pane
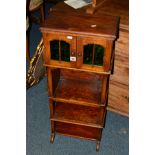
[
  {"x": 98, "y": 56},
  {"x": 87, "y": 54},
  {"x": 54, "y": 48},
  {"x": 65, "y": 51}
]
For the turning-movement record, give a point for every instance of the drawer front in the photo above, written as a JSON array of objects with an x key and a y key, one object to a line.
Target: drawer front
[
  {"x": 121, "y": 69},
  {"x": 118, "y": 98},
  {"x": 122, "y": 43},
  {"x": 119, "y": 81}
]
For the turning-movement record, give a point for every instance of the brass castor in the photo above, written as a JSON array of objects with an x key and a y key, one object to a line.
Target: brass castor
[
  {"x": 97, "y": 145},
  {"x": 52, "y": 138}
]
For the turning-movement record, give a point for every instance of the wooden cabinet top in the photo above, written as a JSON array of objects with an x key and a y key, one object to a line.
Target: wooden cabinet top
[
  {"x": 84, "y": 24},
  {"x": 110, "y": 7}
]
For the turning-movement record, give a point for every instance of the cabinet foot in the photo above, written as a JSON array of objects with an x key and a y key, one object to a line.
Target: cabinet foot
[
  {"x": 97, "y": 145},
  {"x": 52, "y": 138}
]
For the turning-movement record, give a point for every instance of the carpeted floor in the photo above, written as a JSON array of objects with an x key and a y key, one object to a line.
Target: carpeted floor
[{"x": 115, "y": 137}]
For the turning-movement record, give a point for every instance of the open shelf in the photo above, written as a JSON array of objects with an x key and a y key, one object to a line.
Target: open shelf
[
  {"x": 78, "y": 92},
  {"x": 79, "y": 115}
]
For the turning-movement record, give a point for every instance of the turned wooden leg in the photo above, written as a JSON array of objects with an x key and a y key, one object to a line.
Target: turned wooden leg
[
  {"x": 97, "y": 145},
  {"x": 52, "y": 138}
]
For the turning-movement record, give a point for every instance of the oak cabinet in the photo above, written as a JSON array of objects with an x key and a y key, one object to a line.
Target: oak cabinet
[
  {"x": 119, "y": 81},
  {"x": 79, "y": 58}
]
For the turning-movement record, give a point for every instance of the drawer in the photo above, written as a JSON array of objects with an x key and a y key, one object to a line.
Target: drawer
[
  {"x": 118, "y": 98},
  {"x": 122, "y": 44},
  {"x": 121, "y": 69}
]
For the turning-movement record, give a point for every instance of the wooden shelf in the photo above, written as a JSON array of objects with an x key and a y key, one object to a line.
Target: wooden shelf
[
  {"x": 78, "y": 131},
  {"x": 78, "y": 92},
  {"x": 79, "y": 115}
]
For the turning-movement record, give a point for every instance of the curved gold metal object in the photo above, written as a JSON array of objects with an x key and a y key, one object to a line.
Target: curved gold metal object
[{"x": 36, "y": 69}]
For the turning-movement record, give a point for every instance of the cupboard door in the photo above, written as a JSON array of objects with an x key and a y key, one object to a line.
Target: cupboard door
[
  {"x": 61, "y": 50},
  {"x": 91, "y": 53}
]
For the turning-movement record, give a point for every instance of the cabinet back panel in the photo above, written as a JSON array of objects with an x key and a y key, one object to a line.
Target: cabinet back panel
[{"x": 79, "y": 75}]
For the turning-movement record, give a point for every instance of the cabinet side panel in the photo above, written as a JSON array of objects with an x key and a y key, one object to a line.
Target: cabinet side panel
[
  {"x": 47, "y": 49},
  {"x": 108, "y": 55}
]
